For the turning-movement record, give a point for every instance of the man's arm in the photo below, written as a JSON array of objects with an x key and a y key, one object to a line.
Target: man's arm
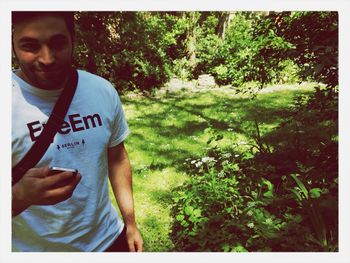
[{"x": 121, "y": 181}]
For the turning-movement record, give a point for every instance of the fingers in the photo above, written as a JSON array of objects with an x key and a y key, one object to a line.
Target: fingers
[
  {"x": 135, "y": 246},
  {"x": 38, "y": 172},
  {"x": 131, "y": 246},
  {"x": 51, "y": 180},
  {"x": 44, "y": 171},
  {"x": 134, "y": 240},
  {"x": 64, "y": 192},
  {"x": 139, "y": 247},
  {"x": 37, "y": 188}
]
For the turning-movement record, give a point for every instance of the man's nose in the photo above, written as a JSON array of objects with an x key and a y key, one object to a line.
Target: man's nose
[{"x": 46, "y": 56}]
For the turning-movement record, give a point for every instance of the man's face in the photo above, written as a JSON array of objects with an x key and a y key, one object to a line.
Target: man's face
[{"x": 43, "y": 47}]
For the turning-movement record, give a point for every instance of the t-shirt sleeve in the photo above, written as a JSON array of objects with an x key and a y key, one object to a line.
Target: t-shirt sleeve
[{"x": 120, "y": 129}]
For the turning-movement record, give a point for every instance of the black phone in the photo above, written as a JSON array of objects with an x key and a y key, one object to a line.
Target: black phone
[{"x": 56, "y": 170}]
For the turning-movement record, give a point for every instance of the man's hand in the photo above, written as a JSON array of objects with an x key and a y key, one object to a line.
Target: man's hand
[
  {"x": 37, "y": 188},
  {"x": 134, "y": 239}
]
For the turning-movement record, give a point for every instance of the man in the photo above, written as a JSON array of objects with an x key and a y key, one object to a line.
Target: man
[{"x": 67, "y": 211}]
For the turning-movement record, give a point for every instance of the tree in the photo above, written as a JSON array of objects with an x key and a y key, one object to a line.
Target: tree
[
  {"x": 314, "y": 36},
  {"x": 128, "y": 48}
]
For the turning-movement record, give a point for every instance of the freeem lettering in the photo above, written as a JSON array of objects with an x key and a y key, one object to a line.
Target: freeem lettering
[{"x": 76, "y": 123}]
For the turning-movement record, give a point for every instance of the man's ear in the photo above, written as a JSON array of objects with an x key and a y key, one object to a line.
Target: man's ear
[
  {"x": 14, "y": 61},
  {"x": 12, "y": 45}
]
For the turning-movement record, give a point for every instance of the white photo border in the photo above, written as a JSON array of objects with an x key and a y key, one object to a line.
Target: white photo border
[{"x": 342, "y": 6}]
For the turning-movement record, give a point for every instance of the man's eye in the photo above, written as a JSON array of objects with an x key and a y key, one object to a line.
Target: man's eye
[
  {"x": 58, "y": 44},
  {"x": 30, "y": 46}
]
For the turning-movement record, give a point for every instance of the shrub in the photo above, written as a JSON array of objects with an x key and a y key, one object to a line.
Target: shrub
[{"x": 278, "y": 194}]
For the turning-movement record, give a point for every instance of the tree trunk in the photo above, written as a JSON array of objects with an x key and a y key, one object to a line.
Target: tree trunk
[
  {"x": 191, "y": 39},
  {"x": 224, "y": 22}
]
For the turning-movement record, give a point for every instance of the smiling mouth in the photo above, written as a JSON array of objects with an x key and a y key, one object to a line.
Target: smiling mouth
[{"x": 47, "y": 71}]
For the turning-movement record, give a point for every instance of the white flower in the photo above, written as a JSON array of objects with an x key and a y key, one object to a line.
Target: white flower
[
  {"x": 207, "y": 159},
  {"x": 268, "y": 221},
  {"x": 193, "y": 161},
  {"x": 221, "y": 174},
  {"x": 225, "y": 162},
  {"x": 198, "y": 164},
  {"x": 227, "y": 155},
  {"x": 250, "y": 225}
]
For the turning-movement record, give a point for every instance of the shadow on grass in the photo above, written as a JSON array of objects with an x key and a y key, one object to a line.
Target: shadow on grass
[
  {"x": 164, "y": 133},
  {"x": 190, "y": 115},
  {"x": 163, "y": 145}
]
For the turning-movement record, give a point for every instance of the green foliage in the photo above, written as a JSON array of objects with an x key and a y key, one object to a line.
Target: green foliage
[
  {"x": 128, "y": 48},
  {"x": 207, "y": 43},
  {"x": 219, "y": 210},
  {"x": 289, "y": 72},
  {"x": 251, "y": 51},
  {"x": 274, "y": 48},
  {"x": 309, "y": 201},
  {"x": 280, "y": 193},
  {"x": 141, "y": 50},
  {"x": 314, "y": 36}
]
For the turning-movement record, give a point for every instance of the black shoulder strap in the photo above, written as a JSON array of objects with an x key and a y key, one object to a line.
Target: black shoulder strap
[{"x": 53, "y": 124}]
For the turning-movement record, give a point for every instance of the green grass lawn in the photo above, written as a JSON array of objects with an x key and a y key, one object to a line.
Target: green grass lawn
[{"x": 167, "y": 129}]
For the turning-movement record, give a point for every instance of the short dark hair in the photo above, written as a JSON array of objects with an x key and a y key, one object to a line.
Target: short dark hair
[{"x": 68, "y": 16}]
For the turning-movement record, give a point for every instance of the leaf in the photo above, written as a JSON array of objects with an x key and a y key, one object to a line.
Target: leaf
[
  {"x": 219, "y": 137},
  {"x": 297, "y": 194},
  {"x": 192, "y": 233},
  {"x": 184, "y": 223},
  {"x": 210, "y": 140},
  {"x": 268, "y": 194},
  {"x": 315, "y": 192},
  {"x": 301, "y": 185},
  {"x": 197, "y": 212},
  {"x": 268, "y": 184},
  {"x": 192, "y": 219},
  {"x": 180, "y": 217},
  {"x": 239, "y": 248},
  {"x": 226, "y": 248},
  {"x": 188, "y": 210}
]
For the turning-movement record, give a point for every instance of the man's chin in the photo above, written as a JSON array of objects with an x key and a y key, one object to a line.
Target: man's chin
[{"x": 50, "y": 80}]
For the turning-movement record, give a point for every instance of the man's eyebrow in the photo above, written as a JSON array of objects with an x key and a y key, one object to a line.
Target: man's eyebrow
[
  {"x": 27, "y": 39},
  {"x": 54, "y": 37}
]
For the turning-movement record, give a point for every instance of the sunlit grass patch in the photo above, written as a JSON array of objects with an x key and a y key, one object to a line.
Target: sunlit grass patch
[
  {"x": 152, "y": 190},
  {"x": 167, "y": 129}
]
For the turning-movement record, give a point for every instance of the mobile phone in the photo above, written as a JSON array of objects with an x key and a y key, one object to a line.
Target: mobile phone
[{"x": 56, "y": 170}]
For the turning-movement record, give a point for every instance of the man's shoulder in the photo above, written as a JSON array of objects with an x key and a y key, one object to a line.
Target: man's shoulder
[
  {"x": 89, "y": 82},
  {"x": 91, "y": 78}
]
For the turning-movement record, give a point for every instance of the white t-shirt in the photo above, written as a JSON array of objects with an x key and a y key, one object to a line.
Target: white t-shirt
[{"x": 95, "y": 121}]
